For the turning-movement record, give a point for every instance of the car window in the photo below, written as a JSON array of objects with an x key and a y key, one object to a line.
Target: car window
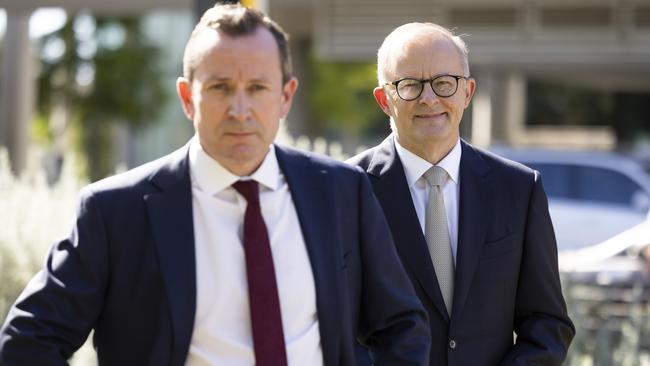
[
  {"x": 604, "y": 185},
  {"x": 556, "y": 179},
  {"x": 587, "y": 183}
]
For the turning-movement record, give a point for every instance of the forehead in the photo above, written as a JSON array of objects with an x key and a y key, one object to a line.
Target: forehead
[
  {"x": 424, "y": 54},
  {"x": 216, "y": 52}
]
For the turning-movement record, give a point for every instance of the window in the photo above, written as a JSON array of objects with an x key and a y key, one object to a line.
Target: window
[
  {"x": 556, "y": 179},
  {"x": 604, "y": 185},
  {"x": 591, "y": 184}
]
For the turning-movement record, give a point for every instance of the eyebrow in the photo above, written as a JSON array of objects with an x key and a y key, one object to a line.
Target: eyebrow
[
  {"x": 224, "y": 78},
  {"x": 217, "y": 78}
]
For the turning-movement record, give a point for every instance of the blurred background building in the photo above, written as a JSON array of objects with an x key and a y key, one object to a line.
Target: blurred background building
[
  {"x": 562, "y": 73},
  {"x": 529, "y": 56}
]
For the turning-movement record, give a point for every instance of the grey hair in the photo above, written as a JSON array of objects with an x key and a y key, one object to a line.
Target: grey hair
[{"x": 402, "y": 34}]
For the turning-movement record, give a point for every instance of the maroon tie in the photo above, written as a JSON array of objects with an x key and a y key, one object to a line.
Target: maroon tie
[{"x": 266, "y": 321}]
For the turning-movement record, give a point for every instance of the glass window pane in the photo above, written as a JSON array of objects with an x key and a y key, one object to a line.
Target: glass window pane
[
  {"x": 606, "y": 186},
  {"x": 556, "y": 179}
]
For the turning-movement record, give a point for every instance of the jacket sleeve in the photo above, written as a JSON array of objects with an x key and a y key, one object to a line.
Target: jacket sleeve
[
  {"x": 54, "y": 314},
  {"x": 393, "y": 322},
  {"x": 543, "y": 328}
]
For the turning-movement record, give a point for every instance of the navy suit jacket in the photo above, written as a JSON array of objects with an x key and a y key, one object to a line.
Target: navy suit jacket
[
  {"x": 506, "y": 276},
  {"x": 127, "y": 271}
]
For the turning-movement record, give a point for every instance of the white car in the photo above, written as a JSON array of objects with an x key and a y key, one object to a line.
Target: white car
[
  {"x": 593, "y": 196},
  {"x": 620, "y": 259}
]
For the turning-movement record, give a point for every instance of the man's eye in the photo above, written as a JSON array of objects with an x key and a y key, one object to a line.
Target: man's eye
[
  {"x": 219, "y": 87},
  {"x": 257, "y": 87},
  {"x": 409, "y": 84}
]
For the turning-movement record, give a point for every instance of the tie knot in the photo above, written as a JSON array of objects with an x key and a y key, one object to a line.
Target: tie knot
[
  {"x": 435, "y": 176},
  {"x": 249, "y": 189}
]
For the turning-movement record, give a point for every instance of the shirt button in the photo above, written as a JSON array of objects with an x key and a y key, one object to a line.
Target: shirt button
[{"x": 452, "y": 344}]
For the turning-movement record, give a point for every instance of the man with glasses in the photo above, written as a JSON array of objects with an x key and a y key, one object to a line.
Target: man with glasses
[{"x": 472, "y": 229}]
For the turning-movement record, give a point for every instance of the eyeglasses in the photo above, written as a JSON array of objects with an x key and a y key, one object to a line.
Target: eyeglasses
[{"x": 443, "y": 86}]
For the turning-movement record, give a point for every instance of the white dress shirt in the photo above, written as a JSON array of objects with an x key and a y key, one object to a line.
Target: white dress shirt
[
  {"x": 414, "y": 169},
  {"x": 222, "y": 327}
]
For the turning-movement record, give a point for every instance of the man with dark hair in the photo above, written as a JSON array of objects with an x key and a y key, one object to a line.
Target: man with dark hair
[
  {"x": 244, "y": 21},
  {"x": 472, "y": 229},
  {"x": 230, "y": 251}
]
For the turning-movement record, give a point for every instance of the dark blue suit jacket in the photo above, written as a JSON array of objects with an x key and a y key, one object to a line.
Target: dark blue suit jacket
[
  {"x": 127, "y": 271},
  {"x": 506, "y": 276}
]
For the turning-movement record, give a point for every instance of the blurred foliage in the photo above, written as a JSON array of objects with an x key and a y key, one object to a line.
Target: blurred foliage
[
  {"x": 340, "y": 96},
  {"x": 34, "y": 214},
  {"x": 612, "y": 322},
  {"x": 100, "y": 72},
  {"x": 39, "y": 130}
]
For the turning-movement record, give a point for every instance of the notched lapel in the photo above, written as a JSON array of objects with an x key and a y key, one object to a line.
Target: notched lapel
[
  {"x": 394, "y": 196},
  {"x": 310, "y": 191},
  {"x": 170, "y": 213},
  {"x": 475, "y": 189}
]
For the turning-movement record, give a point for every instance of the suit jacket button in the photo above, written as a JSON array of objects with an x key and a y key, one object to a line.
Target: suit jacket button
[{"x": 452, "y": 344}]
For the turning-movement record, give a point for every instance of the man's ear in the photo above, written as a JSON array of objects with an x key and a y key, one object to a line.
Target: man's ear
[
  {"x": 382, "y": 99},
  {"x": 469, "y": 90},
  {"x": 184, "y": 91},
  {"x": 288, "y": 91}
]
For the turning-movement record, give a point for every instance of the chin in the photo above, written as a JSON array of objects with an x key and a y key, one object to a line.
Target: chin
[
  {"x": 435, "y": 131},
  {"x": 248, "y": 153}
]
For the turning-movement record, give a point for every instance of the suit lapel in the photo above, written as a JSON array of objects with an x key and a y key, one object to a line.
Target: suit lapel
[
  {"x": 313, "y": 201},
  {"x": 394, "y": 195},
  {"x": 474, "y": 190},
  {"x": 170, "y": 212}
]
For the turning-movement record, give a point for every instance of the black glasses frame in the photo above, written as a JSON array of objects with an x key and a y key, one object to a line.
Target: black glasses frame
[{"x": 430, "y": 82}]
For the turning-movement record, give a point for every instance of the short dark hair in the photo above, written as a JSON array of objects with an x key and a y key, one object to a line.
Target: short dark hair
[{"x": 237, "y": 20}]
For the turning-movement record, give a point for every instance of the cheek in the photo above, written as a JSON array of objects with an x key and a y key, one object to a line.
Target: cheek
[
  {"x": 393, "y": 106},
  {"x": 213, "y": 108},
  {"x": 455, "y": 104},
  {"x": 269, "y": 106},
  {"x": 402, "y": 109}
]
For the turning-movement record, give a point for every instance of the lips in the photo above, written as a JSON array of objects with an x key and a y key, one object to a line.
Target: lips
[
  {"x": 430, "y": 115},
  {"x": 240, "y": 134}
]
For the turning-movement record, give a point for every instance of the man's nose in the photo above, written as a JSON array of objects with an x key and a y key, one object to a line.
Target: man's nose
[
  {"x": 428, "y": 96},
  {"x": 239, "y": 108}
]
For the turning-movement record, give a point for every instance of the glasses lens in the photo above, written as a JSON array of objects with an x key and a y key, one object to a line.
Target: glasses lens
[
  {"x": 409, "y": 89},
  {"x": 444, "y": 86}
]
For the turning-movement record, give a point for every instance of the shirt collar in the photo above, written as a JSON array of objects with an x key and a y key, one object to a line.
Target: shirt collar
[
  {"x": 415, "y": 166},
  {"x": 212, "y": 178}
]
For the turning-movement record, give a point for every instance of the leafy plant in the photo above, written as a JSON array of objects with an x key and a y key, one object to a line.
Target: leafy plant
[
  {"x": 98, "y": 72},
  {"x": 341, "y": 98}
]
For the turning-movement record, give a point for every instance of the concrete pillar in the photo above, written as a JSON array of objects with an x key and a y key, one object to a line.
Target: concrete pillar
[
  {"x": 499, "y": 111},
  {"x": 482, "y": 110},
  {"x": 514, "y": 107},
  {"x": 16, "y": 88}
]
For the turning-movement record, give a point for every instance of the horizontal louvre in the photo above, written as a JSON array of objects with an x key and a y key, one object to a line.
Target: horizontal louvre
[
  {"x": 576, "y": 17},
  {"x": 487, "y": 17},
  {"x": 354, "y": 29}
]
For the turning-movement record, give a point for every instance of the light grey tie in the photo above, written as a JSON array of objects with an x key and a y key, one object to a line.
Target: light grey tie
[{"x": 437, "y": 235}]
